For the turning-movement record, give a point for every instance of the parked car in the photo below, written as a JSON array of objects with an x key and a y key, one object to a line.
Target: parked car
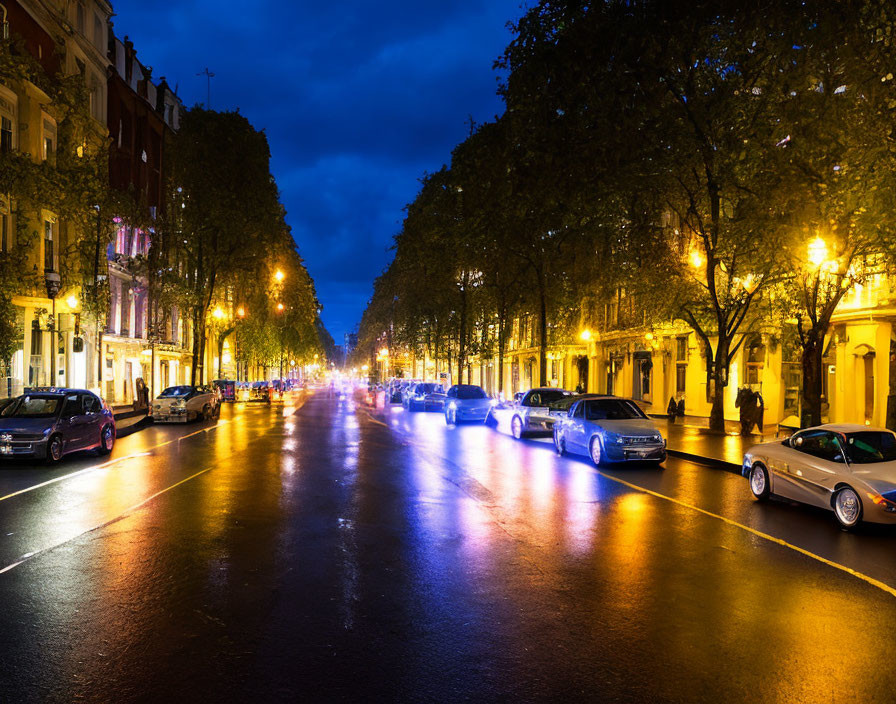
[
  {"x": 531, "y": 414},
  {"x": 436, "y": 399},
  {"x": 48, "y": 424},
  {"x": 396, "y": 390},
  {"x": 847, "y": 469},
  {"x": 416, "y": 399},
  {"x": 609, "y": 429},
  {"x": 181, "y": 404},
  {"x": 466, "y": 402}
]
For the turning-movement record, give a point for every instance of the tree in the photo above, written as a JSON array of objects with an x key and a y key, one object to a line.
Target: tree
[{"x": 223, "y": 211}]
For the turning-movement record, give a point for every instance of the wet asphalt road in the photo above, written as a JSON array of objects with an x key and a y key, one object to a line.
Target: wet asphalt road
[{"x": 320, "y": 552}]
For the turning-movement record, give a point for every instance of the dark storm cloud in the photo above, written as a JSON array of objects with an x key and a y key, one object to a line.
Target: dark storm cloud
[{"x": 358, "y": 100}]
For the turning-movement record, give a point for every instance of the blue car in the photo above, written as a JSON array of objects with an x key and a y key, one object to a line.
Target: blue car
[
  {"x": 466, "y": 403},
  {"x": 609, "y": 429},
  {"x": 47, "y": 424}
]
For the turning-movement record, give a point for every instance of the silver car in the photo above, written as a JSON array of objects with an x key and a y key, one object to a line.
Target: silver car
[
  {"x": 181, "y": 404},
  {"x": 609, "y": 429},
  {"x": 531, "y": 415},
  {"x": 466, "y": 402},
  {"x": 847, "y": 469}
]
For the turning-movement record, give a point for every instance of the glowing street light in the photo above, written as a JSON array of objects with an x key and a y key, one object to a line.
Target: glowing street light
[
  {"x": 585, "y": 335},
  {"x": 384, "y": 352},
  {"x": 696, "y": 259},
  {"x": 218, "y": 313},
  {"x": 365, "y": 367},
  {"x": 72, "y": 301},
  {"x": 241, "y": 312},
  {"x": 279, "y": 276},
  {"x": 817, "y": 252},
  {"x": 279, "y": 307}
]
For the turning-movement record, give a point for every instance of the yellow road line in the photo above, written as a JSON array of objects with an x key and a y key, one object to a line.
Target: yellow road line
[{"x": 765, "y": 536}]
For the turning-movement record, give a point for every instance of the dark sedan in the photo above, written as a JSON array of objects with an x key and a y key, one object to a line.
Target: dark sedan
[{"x": 47, "y": 424}]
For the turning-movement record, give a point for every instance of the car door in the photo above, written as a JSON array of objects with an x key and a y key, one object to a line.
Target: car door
[
  {"x": 809, "y": 475},
  {"x": 72, "y": 423},
  {"x": 575, "y": 427},
  {"x": 92, "y": 411}
]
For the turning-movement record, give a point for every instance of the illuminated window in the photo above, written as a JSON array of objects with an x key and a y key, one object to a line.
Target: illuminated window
[{"x": 49, "y": 139}]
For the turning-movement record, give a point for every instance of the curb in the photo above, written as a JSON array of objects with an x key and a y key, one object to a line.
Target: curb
[
  {"x": 706, "y": 461},
  {"x": 144, "y": 422},
  {"x": 124, "y": 415}
]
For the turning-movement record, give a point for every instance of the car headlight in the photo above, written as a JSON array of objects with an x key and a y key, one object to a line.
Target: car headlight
[
  {"x": 613, "y": 437},
  {"x": 452, "y": 405}
]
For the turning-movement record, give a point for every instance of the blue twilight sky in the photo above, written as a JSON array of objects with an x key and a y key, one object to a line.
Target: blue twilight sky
[{"x": 358, "y": 98}]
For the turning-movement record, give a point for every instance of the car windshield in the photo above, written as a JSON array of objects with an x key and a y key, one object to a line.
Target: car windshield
[
  {"x": 470, "y": 392},
  {"x": 870, "y": 446},
  {"x": 425, "y": 388},
  {"x": 33, "y": 407},
  {"x": 176, "y": 392},
  {"x": 545, "y": 398},
  {"x": 612, "y": 409},
  {"x": 564, "y": 403}
]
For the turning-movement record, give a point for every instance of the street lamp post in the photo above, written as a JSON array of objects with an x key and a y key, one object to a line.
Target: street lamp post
[{"x": 53, "y": 283}]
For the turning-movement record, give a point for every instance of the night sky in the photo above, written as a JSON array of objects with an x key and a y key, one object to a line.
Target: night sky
[{"x": 358, "y": 98}]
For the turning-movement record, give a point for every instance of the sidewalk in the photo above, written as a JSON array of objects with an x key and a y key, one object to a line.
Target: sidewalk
[{"x": 690, "y": 439}]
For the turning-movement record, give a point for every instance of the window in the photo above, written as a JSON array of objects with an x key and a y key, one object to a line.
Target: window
[
  {"x": 681, "y": 352},
  {"x": 819, "y": 443},
  {"x": 5, "y": 134},
  {"x": 49, "y": 244},
  {"x": 80, "y": 17},
  {"x": 98, "y": 32},
  {"x": 49, "y": 140},
  {"x": 7, "y": 120},
  {"x": 681, "y": 374}
]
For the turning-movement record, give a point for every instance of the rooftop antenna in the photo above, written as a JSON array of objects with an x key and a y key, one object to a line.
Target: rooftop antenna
[{"x": 208, "y": 81}]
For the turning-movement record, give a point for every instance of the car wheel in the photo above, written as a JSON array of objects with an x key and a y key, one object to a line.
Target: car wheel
[
  {"x": 206, "y": 412},
  {"x": 217, "y": 412},
  {"x": 516, "y": 427},
  {"x": 759, "y": 482},
  {"x": 847, "y": 507},
  {"x": 559, "y": 443},
  {"x": 54, "y": 449},
  {"x": 107, "y": 440},
  {"x": 595, "y": 451}
]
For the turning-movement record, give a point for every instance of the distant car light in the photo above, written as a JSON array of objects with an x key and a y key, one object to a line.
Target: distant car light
[{"x": 452, "y": 405}]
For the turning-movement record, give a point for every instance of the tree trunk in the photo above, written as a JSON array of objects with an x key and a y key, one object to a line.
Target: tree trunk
[
  {"x": 810, "y": 412},
  {"x": 501, "y": 343},
  {"x": 720, "y": 376},
  {"x": 197, "y": 351},
  {"x": 542, "y": 333}
]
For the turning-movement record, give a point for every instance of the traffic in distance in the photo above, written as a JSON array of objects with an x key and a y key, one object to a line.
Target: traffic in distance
[{"x": 849, "y": 470}]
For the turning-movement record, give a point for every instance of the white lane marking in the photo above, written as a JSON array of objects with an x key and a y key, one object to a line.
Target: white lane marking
[
  {"x": 97, "y": 467},
  {"x": 124, "y": 514},
  {"x": 94, "y": 468}
]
